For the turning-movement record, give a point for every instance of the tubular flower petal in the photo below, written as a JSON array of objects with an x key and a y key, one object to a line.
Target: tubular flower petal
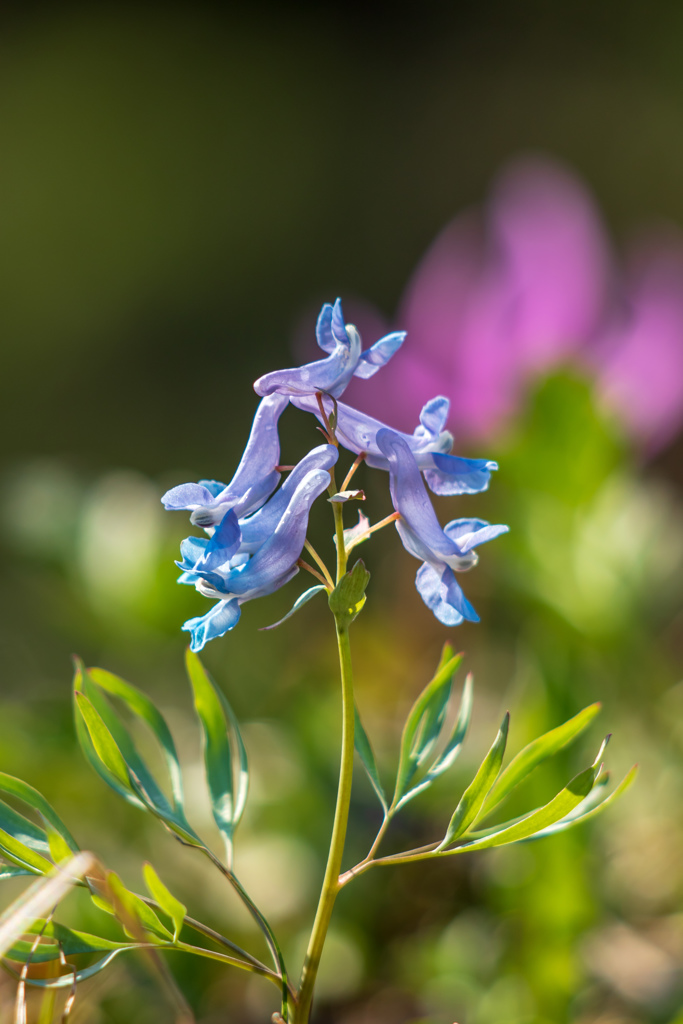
[
  {"x": 254, "y": 481},
  {"x": 230, "y": 579},
  {"x": 345, "y": 360},
  {"x": 430, "y": 444},
  {"x": 258, "y": 527},
  {"x": 442, "y": 550}
]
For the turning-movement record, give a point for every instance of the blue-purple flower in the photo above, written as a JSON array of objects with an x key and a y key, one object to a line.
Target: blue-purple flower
[
  {"x": 430, "y": 444},
  {"x": 254, "y": 481},
  {"x": 253, "y": 557},
  {"x": 442, "y": 550},
  {"x": 346, "y": 359}
]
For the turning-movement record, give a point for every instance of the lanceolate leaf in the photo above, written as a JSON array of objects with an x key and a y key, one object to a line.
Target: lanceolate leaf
[
  {"x": 41, "y": 897},
  {"x": 112, "y": 753},
  {"x": 139, "y": 775},
  {"x": 138, "y": 919},
  {"x": 299, "y": 603},
  {"x": 225, "y": 757},
  {"x": 12, "y": 871},
  {"x": 73, "y": 943},
  {"x": 144, "y": 708},
  {"x": 532, "y": 824},
  {"x": 430, "y": 725},
  {"x": 450, "y": 752},
  {"x": 60, "y": 841},
  {"x": 23, "y": 829},
  {"x": 430, "y": 706},
  {"x": 103, "y": 742},
  {"x": 367, "y": 756},
  {"x": 70, "y": 979},
  {"x": 23, "y": 856},
  {"x": 589, "y": 808},
  {"x": 537, "y": 751},
  {"x": 472, "y": 800},
  {"x": 166, "y": 900}
]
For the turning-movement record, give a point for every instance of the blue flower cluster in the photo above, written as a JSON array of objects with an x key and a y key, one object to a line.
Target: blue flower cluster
[{"x": 256, "y": 531}]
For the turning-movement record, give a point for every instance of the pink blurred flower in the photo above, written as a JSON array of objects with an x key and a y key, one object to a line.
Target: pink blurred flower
[{"x": 530, "y": 284}]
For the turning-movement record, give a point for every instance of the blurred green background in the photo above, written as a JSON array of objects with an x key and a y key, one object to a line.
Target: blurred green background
[{"x": 179, "y": 185}]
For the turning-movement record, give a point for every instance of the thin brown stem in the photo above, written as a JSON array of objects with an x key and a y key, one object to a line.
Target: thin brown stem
[
  {"x": 349, "y": 476},
  {"x": 328, "y": 429},
  {"x": 314, "y": 572}
]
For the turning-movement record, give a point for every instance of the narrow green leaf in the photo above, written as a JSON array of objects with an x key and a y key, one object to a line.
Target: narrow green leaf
[
  {"x": 432, "y": 694},
  {"x": 348, "y": 597},
  {"x": 59, "y": 848},
  {"x": 103, "y": 742},
  {"x": 166, "y": 900},
  {"x": 526, "y": 828},
  {"x": 367, "y": 756},
  {"x": 23, "y": 856},
  {"x": 42, "y": 896},
  {"x": 431, "y": 723},
  {"x": 73, "y": 943},
  {"x": 13, "y": 871},
  {"x": 61, "y": 842},
  {"x": 131, "y": 911},
  {"x": 225, "y": 756},
  {"x": 144, "y": 785},
  {"x": 23, "y": 829},
  {"x": 140, "y": 787},
  {"x": 588, "y": 808},
  {"x": 472, "y": 800},
  {"x": 299, "y": 603},
  {"x": 140, "y": 705},
  {"x": 453, "y": 747},
  {"x": 538, "y": 751},
  {"x": 70, "y": 979}
]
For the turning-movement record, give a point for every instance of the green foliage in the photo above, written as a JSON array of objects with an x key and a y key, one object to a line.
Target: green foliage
[
  {"x": 425, "y": 732},
  {"x": 537, "y": 751},
  {"x": 165, "y": 898},
  {"x": 367, "y": 756},
  {"x": 298, "y": 604},
  {"x": 472, "y": 800},
  {"x": 109, "y": 747},
  {"x": 424, "y": 722},
  {"x": 29, "y": 848},
  {"x": 565, "y": 447},
  {"x": 348, "y": 597},
  {"x": 225, "y": 756}
]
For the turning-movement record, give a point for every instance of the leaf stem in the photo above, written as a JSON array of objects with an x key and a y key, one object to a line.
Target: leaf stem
[
  {"x": 342, "y": 553},
  {"x": 331, "y": 885},
  {"x": 303, "y": 564},
  {"x": 349, "y": 476},
  {"x": 260, "y": 920},
  {"x": 210, "y": 933},
  {"x": 321, "y": 565},
  {"x": 372, "y": 529}
]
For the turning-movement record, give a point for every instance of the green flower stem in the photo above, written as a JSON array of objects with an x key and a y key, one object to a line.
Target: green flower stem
[
  {"x": 331, "y": 884},
  {"x": 342, "y": 553}
]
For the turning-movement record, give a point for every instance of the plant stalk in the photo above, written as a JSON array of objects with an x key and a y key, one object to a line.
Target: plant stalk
[{"x": 331, "y": 886}]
